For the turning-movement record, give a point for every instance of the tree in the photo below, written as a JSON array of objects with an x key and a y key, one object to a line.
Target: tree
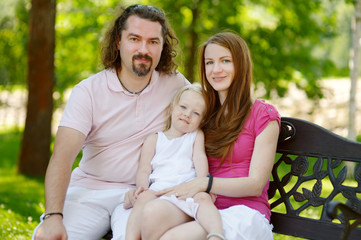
[
  {"x": 354, "y": 70},
  {"x": 354, "y": 75},
  {"x": 35, "y": 148}
]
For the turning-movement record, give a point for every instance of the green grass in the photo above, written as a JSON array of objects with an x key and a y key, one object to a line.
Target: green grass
[{"x": 21, "y": 198}]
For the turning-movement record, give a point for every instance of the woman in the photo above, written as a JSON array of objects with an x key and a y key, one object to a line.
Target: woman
[{"x": 240, "y": 138}]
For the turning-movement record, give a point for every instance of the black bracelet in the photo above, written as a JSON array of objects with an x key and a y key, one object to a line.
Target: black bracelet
[
  {"x": 50, "y": 214},
  {"x": 210, "y": 181}
]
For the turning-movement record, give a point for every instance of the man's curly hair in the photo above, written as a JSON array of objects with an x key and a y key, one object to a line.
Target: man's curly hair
[{"x": 110, "y": 54}]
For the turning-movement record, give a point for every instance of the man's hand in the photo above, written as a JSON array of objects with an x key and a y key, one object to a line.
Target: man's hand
[{"x": 51, "y": 228}]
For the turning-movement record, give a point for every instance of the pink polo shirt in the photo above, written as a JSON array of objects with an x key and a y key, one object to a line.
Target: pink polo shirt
[
  {"x": 261, "y": 114},
  {"x": 115, "y": 124}
]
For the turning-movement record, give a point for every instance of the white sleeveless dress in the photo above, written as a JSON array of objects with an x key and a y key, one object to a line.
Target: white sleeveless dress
[{"x": 172, "y": 164}]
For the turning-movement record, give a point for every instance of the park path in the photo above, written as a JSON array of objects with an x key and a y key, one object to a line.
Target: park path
[{"x": 330, "y": 112}]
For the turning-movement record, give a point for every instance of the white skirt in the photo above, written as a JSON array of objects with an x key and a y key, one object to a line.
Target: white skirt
[
  {"x": 243, "y": 223},
  {"x": 239, "y": 222}
]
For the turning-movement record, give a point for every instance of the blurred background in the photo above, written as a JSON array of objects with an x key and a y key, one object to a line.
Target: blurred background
[{"x": 305, "y": 54}]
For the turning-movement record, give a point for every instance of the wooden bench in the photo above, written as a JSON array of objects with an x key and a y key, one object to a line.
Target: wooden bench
[
  {"x": 308, "y": 177},
  {"x": 309, "y": 180}
]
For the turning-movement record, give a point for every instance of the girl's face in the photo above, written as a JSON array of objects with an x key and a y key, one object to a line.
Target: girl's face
[
  {"x": 188, "y": 113},
  {"x": 219, "y": 68}
]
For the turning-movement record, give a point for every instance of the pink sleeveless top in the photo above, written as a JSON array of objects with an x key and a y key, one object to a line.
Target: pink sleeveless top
[{"x": 261, "y": 114}]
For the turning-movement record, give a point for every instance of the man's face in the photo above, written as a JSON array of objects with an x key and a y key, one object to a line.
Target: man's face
[{"x": 141, "y": 46}]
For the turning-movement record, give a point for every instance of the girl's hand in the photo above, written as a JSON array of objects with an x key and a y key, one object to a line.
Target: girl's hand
[
  {"x": 187, "y": 189},
  {"x": 129, "y": 199},
  {"x": 139, "y": 191}
]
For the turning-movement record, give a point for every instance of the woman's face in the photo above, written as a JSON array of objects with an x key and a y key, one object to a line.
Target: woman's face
[{"x": 219, "y": 68}]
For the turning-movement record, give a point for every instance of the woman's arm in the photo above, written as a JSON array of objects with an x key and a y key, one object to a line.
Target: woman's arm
[
  {"x": 199, "y": 155},
  {"x": 260, "y": 169}
]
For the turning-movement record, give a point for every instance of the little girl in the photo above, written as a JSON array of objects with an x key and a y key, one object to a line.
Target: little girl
[{"x": 174, "y": 156}]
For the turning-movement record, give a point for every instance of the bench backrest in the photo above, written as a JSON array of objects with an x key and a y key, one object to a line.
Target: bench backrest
[{"x": 310, "y": 156}]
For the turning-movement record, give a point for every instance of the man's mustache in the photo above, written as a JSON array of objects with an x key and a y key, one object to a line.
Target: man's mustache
[{"x": 141, "y": 56}]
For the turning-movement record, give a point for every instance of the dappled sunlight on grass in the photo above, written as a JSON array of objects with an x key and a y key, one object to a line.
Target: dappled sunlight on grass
[
  {"x": 21, "y": 204},
  {"x": 21, "y": 198}
]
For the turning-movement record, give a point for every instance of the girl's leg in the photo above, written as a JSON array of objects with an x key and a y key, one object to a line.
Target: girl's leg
[
  {"x": 208, "y": 215},
  {"x": 133, "y": 227},
  {"x": 159, "y": 216},
  {"x": 189, "y": 230}
]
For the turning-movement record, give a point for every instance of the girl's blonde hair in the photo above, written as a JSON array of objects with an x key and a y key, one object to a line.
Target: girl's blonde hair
[{"x": 175, "y": 100}]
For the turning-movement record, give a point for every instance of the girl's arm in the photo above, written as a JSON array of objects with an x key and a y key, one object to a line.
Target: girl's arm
[
  {"x": 259, "y": 172},
  {"x": 143, "y": 172},
  {"x": 146, "y": 156},
  {"x": 199, "y": 155}
]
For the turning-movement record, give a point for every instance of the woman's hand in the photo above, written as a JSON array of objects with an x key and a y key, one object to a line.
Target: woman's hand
[{"x": 187, "y": 189}]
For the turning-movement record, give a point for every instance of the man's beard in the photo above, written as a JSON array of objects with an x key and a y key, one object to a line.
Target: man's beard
[{"x": 141, "y": 70}]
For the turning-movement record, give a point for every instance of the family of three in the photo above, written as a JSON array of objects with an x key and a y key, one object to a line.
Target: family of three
[{"x": 162, "y": 158}]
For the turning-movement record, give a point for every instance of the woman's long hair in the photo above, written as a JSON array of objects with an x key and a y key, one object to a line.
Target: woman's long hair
[{"x": 224, "y": 122}]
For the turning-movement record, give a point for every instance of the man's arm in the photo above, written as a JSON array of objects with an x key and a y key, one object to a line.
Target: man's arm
[{"x": 68, "y": 143}]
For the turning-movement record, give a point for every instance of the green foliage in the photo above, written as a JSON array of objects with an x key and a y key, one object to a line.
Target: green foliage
[
  {"x": 13, "y": 44},
  {"x": 291, "y": 41},
  {"x": 79, "y": 27}
]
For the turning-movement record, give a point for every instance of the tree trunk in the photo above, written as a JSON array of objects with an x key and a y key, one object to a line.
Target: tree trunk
[
  {"x": 35, "y": 148},
  {"x": 192, "y": 50},
  {"x": 354, "y": 74}
]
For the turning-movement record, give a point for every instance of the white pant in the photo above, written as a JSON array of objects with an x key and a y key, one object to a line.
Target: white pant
[{"x": 89, "y": 214}]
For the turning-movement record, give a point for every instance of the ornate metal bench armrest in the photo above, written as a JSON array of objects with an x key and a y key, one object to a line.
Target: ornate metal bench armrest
[{"x": 347, "y": 214}]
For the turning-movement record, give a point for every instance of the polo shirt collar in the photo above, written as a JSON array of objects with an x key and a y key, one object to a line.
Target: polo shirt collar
[{"x": 114, "y": 84}]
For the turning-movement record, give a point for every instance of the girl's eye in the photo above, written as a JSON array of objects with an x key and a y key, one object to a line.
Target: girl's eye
[
  {"x": 209, "y": 63},
  {"x": 226, "y": 61},
  {"x": 196, "y": 113},
  {"x": 183, "y": 107}
]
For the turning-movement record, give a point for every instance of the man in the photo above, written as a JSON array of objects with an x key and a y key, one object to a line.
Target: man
[{"x": 108, "y": 116}]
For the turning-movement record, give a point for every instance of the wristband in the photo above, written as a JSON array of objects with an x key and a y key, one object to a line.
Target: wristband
[
  {"x": 50, "y": 214},
  {"x": 210, "y": 181}
]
